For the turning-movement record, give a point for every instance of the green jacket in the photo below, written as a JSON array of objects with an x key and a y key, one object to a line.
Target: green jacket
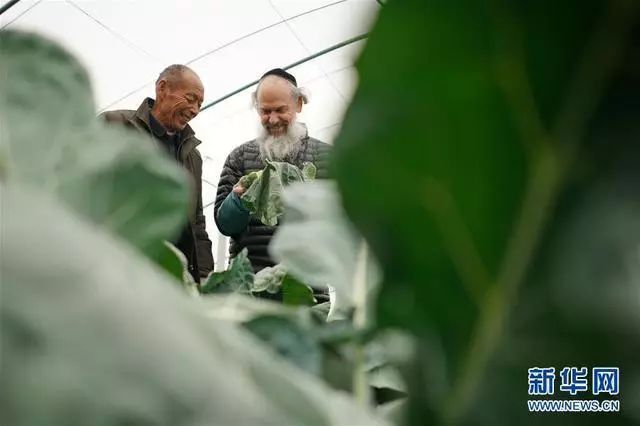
[{"x": 202, "y": 263}]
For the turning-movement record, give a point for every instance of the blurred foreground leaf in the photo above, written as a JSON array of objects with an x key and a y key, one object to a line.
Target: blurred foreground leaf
[
  {"x": 99, "y": 337},
  {"x": 490, "y": 159},
  {"x": 52, "y": 141}
]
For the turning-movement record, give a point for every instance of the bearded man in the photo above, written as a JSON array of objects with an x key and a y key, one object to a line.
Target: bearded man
[{"x": 278, "y": 100}]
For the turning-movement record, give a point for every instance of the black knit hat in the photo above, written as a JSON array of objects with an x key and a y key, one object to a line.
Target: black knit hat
[{"x": 282, "y": 74}]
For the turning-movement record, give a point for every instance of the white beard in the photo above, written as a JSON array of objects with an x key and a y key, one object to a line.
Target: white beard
[{"x": 284, "y": 147}]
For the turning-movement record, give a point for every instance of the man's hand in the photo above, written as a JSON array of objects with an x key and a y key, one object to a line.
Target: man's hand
[
  {"x": 246, "y": 182},
  {"x": 239, "y": 189}
]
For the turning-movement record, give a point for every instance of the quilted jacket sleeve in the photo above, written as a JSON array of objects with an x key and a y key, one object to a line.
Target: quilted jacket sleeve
[{"x": 231, "y": 173}]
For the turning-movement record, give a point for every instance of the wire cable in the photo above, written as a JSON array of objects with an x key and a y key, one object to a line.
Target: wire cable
[
  {"x": 232, "y": 42},
  {"x": 295, "y": 64},
  {"x": 8, "y": 6}
]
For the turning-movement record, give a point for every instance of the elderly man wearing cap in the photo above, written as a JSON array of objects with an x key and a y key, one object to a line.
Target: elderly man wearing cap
[{"x": 278, "y": 100}]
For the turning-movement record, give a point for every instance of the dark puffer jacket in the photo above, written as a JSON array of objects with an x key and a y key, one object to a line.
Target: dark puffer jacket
[{"x": 246, "y": 159}]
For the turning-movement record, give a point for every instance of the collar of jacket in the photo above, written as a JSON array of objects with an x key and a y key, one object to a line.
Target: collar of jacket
[
  {"x": 188, "y": 141},
  {"x": 159, "y": 130}
]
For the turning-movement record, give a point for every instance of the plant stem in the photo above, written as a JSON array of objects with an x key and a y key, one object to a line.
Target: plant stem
[{"x": 360, "y": 319}]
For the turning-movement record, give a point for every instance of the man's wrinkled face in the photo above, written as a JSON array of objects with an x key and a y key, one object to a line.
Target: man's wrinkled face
[
  {"x": 276, "y": 105},
  {"x": 179, "y": 102}
]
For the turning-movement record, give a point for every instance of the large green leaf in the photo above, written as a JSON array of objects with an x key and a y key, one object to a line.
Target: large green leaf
[
  {"x": 290, "y": 340},
  {"x": 93, "y": 334},
  {"x": 52, "y": 141},
  {"x": 175, "y": 263},
  {"x": 275, "y": 279},
  {"x": 237, "y": 279},
  {"x": 295, "y": 292},
  {"x": 318, "y": 244},
  {"x": 499, "y": 137},
  {"x": 306, "y": 339},
  {"x": 264, "y": 197}
]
